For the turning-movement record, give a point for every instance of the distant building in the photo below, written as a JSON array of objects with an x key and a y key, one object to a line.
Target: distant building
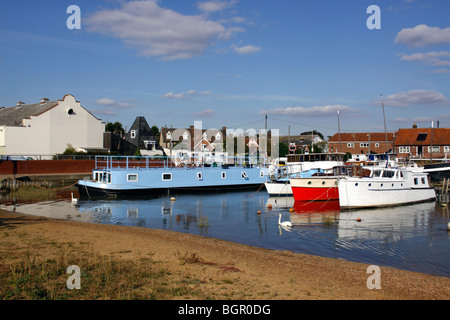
[
  {"x": 361, "y": 143},
  {"x": 422, "y": 143},
  {"x": 48, "y": 127}
]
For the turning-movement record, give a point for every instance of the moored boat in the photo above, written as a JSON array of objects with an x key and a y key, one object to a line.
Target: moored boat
[
  {"x": 376, "y": 186},
  {"x": 148, "y": 175},
  {"x": 298, "y": 165}
]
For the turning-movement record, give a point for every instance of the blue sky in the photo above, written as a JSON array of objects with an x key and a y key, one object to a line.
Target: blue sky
[{"x": 230, "y": 62}]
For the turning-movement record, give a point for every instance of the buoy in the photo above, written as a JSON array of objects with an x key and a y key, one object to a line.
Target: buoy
[
  {"x": 259, "y": 212},
  {"x": 359, "y": 219},
  {"x": 269, "y": 206},
  {"x": 291, "y": 210},
  {"x": 172, "y": 199}
]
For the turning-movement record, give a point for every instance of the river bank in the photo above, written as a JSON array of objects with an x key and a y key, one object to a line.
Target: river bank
[{"x": 119, "y": 262}]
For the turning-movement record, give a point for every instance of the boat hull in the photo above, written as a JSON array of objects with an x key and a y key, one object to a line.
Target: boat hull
[
  {"x": 278, "y": 188},
  {"x": 315, "y": 189}
]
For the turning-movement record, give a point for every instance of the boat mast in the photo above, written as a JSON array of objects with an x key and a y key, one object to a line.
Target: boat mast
[{"x": 384, "y": 118}]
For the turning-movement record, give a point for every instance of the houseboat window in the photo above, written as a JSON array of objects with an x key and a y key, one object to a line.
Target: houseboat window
[
  {"x": 132, "y": 177},
  {"x": 323, "y": 182},
  {"x": 199, "y": 176},
  {"x": 356, "y": 184},
  {"x": 95, "y": 176},
  {"x": 261, "y": 174},
  {"x": 244, "y": 175},
  {"x": 416, "y": 181},
  {"x": 423, "y": 180},
  {"x": 376, "y": 173},
  {"x": 224, "y": 175},
  {"x": 100, "y": 177},
  {"x": 370, "y": 184},
  {"x": 167, "y": 176},
  {"x": 108, "y": 178}
]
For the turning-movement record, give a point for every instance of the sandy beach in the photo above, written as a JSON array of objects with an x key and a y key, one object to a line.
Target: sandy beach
[{"x": 207, "y": 268}]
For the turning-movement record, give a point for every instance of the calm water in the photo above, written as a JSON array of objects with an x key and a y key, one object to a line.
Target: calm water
[{"x": 411, "y": 237}]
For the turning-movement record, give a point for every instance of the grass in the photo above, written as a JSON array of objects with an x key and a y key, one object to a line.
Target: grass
[{"x": 102, "y": 277}]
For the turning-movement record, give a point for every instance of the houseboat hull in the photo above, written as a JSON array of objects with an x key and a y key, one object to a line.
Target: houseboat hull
[
  {"x": 149, "y": 181},
  {"x": 315, "y": 188}
]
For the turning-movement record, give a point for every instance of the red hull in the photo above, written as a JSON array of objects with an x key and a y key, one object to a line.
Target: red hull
[{"x": 315, "y": 194}]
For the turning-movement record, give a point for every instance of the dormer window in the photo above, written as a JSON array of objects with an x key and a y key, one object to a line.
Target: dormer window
[
  {"x": 185, "y": 135},
  {"x": 169, "y": 135},
  {"x": 133, "y": 134}
]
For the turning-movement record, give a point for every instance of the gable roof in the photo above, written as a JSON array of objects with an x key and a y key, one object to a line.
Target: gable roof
[
  {"x": 422, "y": 137},
  {"x": 362, "y": 136},
  {"x": 13, "y": 116}
]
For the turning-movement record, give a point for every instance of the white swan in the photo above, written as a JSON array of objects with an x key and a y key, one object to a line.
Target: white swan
[
  {"x": 74, "y": 200},
  {"x": 284, "y": 223}
]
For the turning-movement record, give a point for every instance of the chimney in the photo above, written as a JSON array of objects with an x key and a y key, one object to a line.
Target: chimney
[
  {"x": 20, "y": 103},
  {"x": 44, "y": 100}
]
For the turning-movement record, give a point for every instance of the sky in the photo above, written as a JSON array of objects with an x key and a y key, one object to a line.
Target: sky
[{"x": 232, "y": 62}]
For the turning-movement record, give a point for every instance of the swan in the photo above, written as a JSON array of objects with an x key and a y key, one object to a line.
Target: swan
[
  {"x": 284, "y": 223},
  {"x": 74, "y": 200}
]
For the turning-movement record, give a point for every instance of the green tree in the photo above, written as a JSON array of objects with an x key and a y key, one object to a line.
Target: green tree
[{"x": 115, "y": 128}]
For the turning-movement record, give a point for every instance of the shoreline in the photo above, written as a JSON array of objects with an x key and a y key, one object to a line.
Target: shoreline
[{"x": 208, "y": 268}]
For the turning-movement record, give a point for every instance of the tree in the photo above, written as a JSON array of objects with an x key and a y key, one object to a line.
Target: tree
[
  {"x": 154, "y": 130},
  {"x": 115, "y": 128}
]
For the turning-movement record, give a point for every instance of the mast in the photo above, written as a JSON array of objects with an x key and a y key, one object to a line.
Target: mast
[{"x": 384, "y": 118}]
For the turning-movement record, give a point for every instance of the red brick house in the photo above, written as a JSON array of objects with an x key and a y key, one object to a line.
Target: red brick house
[
  {"x": 361, "y": 143},
  {"x": 422, "y": 143}
]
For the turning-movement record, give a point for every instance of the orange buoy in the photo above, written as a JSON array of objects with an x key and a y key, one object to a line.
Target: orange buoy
[
  {"x": 259, "y": 212},
  {"x": 291, "y": 210},
  {"x": 359, "y": 219},
  {"x": 269, "y": 206}
]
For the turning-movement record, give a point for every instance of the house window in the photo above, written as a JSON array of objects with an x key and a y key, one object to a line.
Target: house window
[
  {"x": 447, "y": 149},
  {"x": 218, "y": 136},
  {"x": 435, "y": 149},
  {"x": 132, "y": 177},
  {"x": 404, "y": 149},
  {"x": 149, "y": 145},
  {"x": 169, "y": 135},
  {"x": 422, "y": 136},
  {"x": 350, "y": 145},
  {"x": 364, "y": 145},
  {"x": 133, "y": 134},
  {"x": 377, "y": 145},
  {"x": 167, "y": 177}
]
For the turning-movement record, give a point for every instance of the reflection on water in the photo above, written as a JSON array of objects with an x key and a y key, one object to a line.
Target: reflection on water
[{"x": 410, "y": 237}]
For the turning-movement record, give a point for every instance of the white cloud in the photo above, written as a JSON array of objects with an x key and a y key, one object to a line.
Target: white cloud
[
  {"x": 316, "y": 111},
  {"x": 205, "y": 113},
  {"x": 246, "y": 49},
  {"x": 415, "y": 97},
  {"x": 433, "y": 58},
  {"x": 156, "y": 31},
  {"x": 423, "y": 35},
  {"x": 181, "y": 95},
  {"x": 112, "y": 103},
  {"x": 444, "y": 71},
  {"x": 215, "y": 5}
]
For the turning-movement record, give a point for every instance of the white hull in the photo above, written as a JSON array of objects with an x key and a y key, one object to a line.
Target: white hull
[{"x": 280, "y": 188}]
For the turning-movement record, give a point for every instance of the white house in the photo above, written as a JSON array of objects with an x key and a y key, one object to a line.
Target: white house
[{"x": 46, "y": 128}]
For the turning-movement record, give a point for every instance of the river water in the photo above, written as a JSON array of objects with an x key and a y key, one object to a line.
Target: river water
[{"x": 412, "y": 237}]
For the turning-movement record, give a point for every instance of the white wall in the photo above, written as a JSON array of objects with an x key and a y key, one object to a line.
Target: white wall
[{"x": 50, "y": 132}]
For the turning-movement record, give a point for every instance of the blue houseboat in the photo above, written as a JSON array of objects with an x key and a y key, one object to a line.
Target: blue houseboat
[{"x": 145, "y": 175}]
